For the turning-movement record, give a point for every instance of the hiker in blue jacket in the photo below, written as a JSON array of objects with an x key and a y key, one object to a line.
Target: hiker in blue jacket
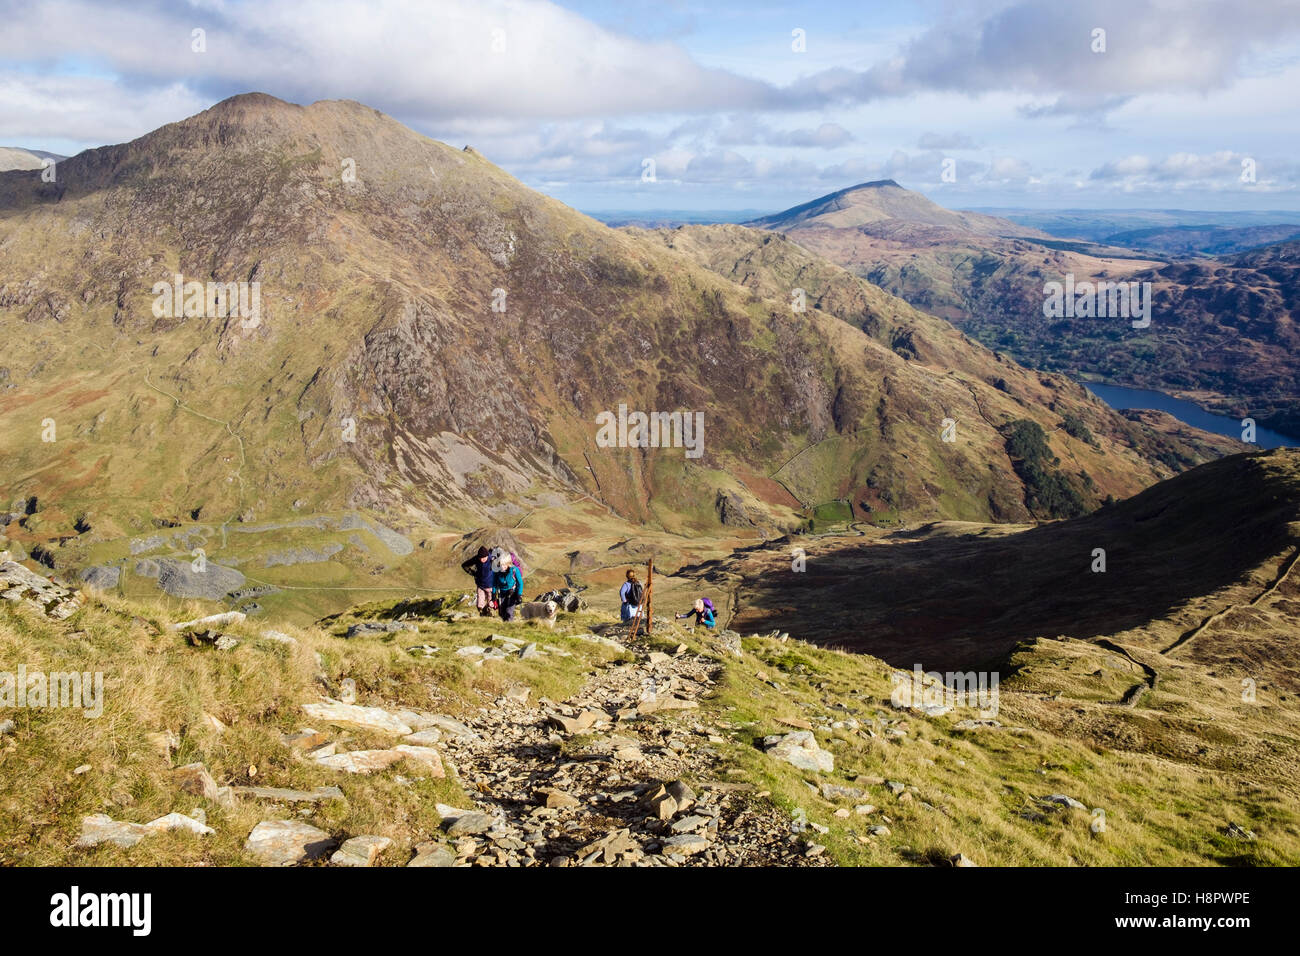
[
  {"x": 703, "y": 612},
  {"x": 508, "y": 586},
  {"x": 480, "y": 566},
  {"x": 629, "y": 597}
]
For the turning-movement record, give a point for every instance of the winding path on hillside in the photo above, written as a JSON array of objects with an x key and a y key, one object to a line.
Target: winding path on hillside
[{"x": 1283, "y": 572}]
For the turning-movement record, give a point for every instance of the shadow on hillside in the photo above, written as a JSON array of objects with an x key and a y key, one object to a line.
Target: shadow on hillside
[{"x": 962, "y": 603}]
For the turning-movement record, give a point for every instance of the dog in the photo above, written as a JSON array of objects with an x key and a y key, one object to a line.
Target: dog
[{"x": 544, "y": 611}]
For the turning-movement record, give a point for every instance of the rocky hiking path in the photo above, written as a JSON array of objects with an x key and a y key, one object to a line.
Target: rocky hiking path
[{"x": 598, "y": 779}]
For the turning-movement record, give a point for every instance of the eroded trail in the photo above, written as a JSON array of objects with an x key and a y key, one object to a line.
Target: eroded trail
[{"x": 598, "y": 779}]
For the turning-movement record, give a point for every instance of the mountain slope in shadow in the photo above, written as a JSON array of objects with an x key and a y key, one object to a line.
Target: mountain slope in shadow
[{"x": 1206, "y": 544}]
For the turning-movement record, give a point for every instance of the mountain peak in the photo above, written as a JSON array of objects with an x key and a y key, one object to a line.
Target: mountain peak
[{"x": 882, "y": 203}]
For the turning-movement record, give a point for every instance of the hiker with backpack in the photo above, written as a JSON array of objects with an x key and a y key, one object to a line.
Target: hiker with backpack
[
  {"x": 629, "y": 596},
  {"x": 507, "y": 584},
  {"x": 703, "y": 611},
  {"x": 480, "y": 568}
]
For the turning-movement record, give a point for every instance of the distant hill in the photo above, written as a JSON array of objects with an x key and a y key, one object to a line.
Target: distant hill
[
  {"x": 1204, "y": 240},
  {"x": 881, "y": 205},
  {"x": 1098, "y": 225},
  {"x": 12, "y": 157}
]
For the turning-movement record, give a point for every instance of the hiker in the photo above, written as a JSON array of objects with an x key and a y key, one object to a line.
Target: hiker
[
  {"x": 703, "y": 611},
  {"x": 480, "y": 568},
  {"x": 507, "y": 585},
  {"x": 630, "y": 595}
]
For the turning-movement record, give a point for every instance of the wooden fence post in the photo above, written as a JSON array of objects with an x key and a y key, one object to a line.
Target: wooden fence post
[{"x": 649, "y": 595}]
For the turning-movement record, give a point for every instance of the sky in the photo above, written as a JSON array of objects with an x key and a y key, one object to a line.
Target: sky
[{"x": 741, "y": 106}]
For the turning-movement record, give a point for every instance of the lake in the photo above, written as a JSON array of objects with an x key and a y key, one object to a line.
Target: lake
[{"x": 1120, "y": 396}]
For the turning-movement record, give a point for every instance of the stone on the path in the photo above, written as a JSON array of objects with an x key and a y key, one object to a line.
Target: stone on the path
[
  {"x": 528, "y": 652},
  {"x": 895, "y": 787},
  {"x": 471, "y": 650},
  {"x": 449, "y": 813},
  {"x": 800, "y": 750},
  {"x": 194, "y": 779},
  {"x": 670, "y": 702},
  {"x": 285, "y": 795},
  {"x": 585, "y": 720},
  {"x": 687, "y": 844},
  {"x": 862, "y": 809},
  {"x": 878, "y": 831},
  {"x": 610, "y": 847},
  {"x": 426, "y": 757},
  {"x": 683, "y": 794},
  {"x": 452, "y": 728},
  {"x": 961, "y": 860},
  {"x": 814, "y": 850},
  {"x": 286, "y": 842},
  {"x": 7, "y": 727},
  {"x": 661, "y": 802},
  {"x": 432, "y": 854},
  {"x": 362, "y": 761},
  {"x": 659, "y": 657},
  {"x": 360, "y": 851},
  {"x": 424, "y": 738},
  {"x": 557, "y": 799},
  {"x": 689, "y": 824},
  {"x": 360, "y": 718},
  {"x": 469, "y": 824}
]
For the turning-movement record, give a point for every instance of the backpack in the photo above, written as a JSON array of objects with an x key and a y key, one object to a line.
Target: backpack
[
  {"x": 708, "y": 606},
  {"x": 634, "y": 593},
  {"x": 498, "y": 553}
]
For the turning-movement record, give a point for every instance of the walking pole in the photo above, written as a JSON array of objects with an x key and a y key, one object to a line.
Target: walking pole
[{"x": 649, "y": 595}]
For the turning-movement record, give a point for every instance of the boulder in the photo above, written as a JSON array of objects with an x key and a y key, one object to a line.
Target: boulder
[
  {"x": 800, "y": 750},
  {"x": 426, "y": 757},
  {"x": 687, "y": 844},
  {"x": 469, "y": 824},
  {"x": 194, "y": 779},
  {"x": 212, "y": 620},
  {"x": 101, "y": 828},
  {"x": 287, "y": 842},
  {"x": 361, "y": 761},
  {"x": 432, "y": 854},
  {"x": 360, "y": 851},
  {"x": 360, "y": 718}
]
